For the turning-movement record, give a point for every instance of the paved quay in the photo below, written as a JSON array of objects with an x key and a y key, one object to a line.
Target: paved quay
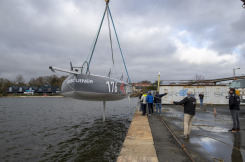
[
  {"x": 148, "y": 139},
  {"x": 138, "y": 144},
  {"x": 210, "y": 139}
]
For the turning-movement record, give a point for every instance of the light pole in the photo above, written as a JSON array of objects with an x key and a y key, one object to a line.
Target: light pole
[
  {"x": 158, "y": 82},
  {"x": 234, "y": 72}
]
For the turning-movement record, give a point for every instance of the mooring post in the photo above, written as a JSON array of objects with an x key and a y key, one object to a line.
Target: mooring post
[{"x": 104, "y": 111}]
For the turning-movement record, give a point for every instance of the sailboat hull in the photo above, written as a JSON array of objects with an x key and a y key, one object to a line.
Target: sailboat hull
[{"x": 95, "y": 88}]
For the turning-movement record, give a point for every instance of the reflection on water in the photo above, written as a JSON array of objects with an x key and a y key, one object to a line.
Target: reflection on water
[
  {"x": 236, "y": 155},
  {"x": 61, "y": 129}
]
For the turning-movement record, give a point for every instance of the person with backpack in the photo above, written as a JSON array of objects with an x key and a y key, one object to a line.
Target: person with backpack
[{"x": 234, "y": 106}]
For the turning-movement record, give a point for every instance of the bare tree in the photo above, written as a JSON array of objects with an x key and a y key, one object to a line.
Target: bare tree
[
  {"x": 32, "y": 82},
  {"x": 4, "y": 84},
  {"x": 198, "y": 77},
  {"x": 20, "y": 80}
]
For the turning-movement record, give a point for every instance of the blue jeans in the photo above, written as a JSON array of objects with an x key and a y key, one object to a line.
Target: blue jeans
[
  {"x": 158, "y": 106},
  {"x": 201, "y": 102},
  {"x": 235, "y": 119}
]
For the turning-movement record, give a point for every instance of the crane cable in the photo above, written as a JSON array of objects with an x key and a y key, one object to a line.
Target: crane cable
[
  {"x": 119, "y": 46},
  {"x": 107, "y": 9},
  {"x": 96, "y": 37},
  {"x": 109, "y": 27},
  {"x": 110, "y": 36}
]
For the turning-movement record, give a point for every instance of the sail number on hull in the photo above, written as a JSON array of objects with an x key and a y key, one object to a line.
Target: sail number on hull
[{"x": 112, "y": 86}]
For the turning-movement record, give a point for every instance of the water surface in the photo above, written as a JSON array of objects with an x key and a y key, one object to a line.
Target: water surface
[{"x": 62, "y": 129}]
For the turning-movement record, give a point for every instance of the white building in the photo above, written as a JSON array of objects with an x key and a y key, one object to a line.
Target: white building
[{"x": 213, "y": 94}]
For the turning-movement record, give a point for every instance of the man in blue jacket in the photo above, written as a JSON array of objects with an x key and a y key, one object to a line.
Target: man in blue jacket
[{"x": 149, "y": 99}]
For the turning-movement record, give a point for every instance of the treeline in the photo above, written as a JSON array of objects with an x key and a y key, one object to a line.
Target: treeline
[
  {"x": 145, "y": 89},
  {"x": 152, "y": 86},
  {"x": 37, "y": 82}
]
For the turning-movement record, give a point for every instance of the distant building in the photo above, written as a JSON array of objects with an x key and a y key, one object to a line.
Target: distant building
[
  {"x": 31, "y": 90},
  {"x": 40, "y": 90},
  {"x": 12, "y": 89},
  {"x": 138, "y": 86}
]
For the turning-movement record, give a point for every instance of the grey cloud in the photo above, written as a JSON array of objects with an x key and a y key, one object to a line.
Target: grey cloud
[{"x": 33, "y": 36}]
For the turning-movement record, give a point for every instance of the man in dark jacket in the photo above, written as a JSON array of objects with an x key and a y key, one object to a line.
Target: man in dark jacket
[
  {"x": 201, "y": 96},
  {"x": 158, "y": 102},
  {"x": 234, "y": 105},
  {"x": 189, "y": 103}
]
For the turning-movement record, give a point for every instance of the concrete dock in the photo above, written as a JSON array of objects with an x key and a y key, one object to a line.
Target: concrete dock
[
  {"x": 149, "y": 140},
  {"x": 138, "y": 144}
]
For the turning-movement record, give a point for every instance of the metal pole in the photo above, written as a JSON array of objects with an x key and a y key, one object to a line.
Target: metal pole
[
  {"x": 234, "y": 72},
  {"x": 158, "y": 82}
]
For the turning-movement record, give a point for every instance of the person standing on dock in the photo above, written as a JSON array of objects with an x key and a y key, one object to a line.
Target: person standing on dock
[
  {"x": 201, "y": 96},
  {"x": 149, "y": 99},
  {"x": 189, "y": 103},
  {"x": 234, "y": 105},
  {"x": 158, "y": 102},
  {"x": 141, "y": 94},
  {"x": 143, "y": 100}
]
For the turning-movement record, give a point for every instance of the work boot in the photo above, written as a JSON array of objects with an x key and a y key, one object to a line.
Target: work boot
[{"x": 232, "y": 130}]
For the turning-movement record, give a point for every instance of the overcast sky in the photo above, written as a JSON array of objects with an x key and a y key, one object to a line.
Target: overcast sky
[{"x": 179, "y": 38}]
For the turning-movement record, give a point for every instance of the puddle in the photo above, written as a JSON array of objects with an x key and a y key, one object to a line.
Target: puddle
[
  {"x": 227, "y": 149},
  {"x": 210, "y": 128}
]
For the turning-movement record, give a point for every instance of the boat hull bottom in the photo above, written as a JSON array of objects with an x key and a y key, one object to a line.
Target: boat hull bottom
[{"x": 94, "y": 96}]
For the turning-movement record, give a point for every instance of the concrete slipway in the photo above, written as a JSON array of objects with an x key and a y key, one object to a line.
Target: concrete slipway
[{"x": 210, "y": 139}]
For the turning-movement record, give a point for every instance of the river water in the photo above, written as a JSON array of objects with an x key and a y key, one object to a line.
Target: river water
[{"x": 62, "y": 129}]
